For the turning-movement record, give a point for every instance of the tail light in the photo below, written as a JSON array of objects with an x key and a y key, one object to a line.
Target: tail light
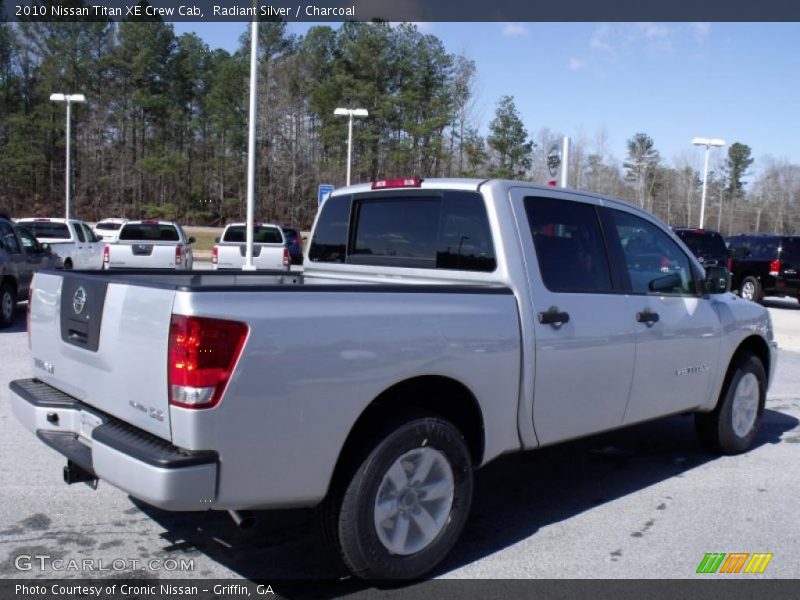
[
  {"x": 729, "y": 264},
  {"x": 287, "y": 261},
  {"x": 106, "y": 255},
  {"x": 775, "y": 268},
  {"x": 665, "y": 264},
  {"x": 202, "y": 355},
  {"x": 178, "y": 254},
  {"x": 215, "y": 255},
  {"x": 28, "y": 315}
]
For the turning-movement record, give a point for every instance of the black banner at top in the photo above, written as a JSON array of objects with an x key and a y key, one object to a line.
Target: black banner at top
[{"x": 401, "y": 10}]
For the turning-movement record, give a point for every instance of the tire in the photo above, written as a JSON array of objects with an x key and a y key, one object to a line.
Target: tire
[
  {"x": 389, "y": 475},
  {"x": 68, "y": 264},
  {"x": 750, "y": 289},
  {"x": 731, "y": 428},
  {"x": 8, "y": 304}
]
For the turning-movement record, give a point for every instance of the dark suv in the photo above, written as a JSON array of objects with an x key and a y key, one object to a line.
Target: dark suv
[
  {"x": 765, "y": 265},
  {"x": 708, "y": 246},
  {"x": 294, "y": 241},
  {"x": 20, "y": 256}
]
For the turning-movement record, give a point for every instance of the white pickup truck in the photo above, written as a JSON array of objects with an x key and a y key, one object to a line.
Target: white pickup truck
[
  {"x": 270, "y": 250},
  {"x": 150, "y": 244},
  {"x": 73, "y": 241},
  {"x": 438, "y": 325}
]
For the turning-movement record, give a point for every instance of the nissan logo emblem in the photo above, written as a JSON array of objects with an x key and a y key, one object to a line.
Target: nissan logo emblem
[{"x": 79, "y": 300}]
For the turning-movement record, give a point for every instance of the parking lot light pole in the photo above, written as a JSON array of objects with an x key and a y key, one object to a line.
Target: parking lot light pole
[
  {"x": 350, "y": 112},
  {"x": 708, "y": 143},
  {"x": 69, "y": 99}
]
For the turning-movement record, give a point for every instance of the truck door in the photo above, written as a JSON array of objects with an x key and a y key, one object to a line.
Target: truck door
[
  {"x": 584, "y": 333},
  {"x": 677, "y": 329},
  {"x": 79, "y": 258}
]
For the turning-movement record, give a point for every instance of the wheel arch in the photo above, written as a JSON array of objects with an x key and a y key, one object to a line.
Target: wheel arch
[{"x": 435, "y": 394}]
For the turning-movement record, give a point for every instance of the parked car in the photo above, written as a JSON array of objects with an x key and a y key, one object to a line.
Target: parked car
[
  {"x": 438, "y": 325},
  {"x": 294, "y": 241},
  {"x": 708, "y": 246},
  {"x": 72, "y": 240},
  {"x": 108, "y": 229},
  {"x": 765, "y": 265},
  {"x": 269, "y": 247},
  {"x": 20, "y": 256},
  {"x": 150, "y": 244}
]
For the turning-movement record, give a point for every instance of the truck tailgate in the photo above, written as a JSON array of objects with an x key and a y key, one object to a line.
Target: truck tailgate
[
  {"x": 105, "y": 344},
  {"x": 265, "y": 256},
  {"x": 142, "y": 255}
]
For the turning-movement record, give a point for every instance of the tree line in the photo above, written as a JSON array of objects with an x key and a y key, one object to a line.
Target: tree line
[{"x": 164, "y": 130}]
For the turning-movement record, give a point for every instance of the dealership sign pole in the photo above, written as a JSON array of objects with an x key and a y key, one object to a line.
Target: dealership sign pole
[{"x": 251, "y": 146}]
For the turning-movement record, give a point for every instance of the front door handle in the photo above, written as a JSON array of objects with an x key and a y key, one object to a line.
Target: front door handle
[
  {"x": 553, "y": 317},
  {"x": 647, "y": 316}
]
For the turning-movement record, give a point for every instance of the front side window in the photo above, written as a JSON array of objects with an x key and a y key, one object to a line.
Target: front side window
[
  {"x": 9, "y": 239},
  {"x": 655, "y": 263},
  {"x": 28, "y": 240},
  {"x": 569, "y": 245}
]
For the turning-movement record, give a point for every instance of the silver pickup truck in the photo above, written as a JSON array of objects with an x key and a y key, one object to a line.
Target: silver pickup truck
[
  {"x": 150, "y": 244},
  {"x": 438, "y": 325}
]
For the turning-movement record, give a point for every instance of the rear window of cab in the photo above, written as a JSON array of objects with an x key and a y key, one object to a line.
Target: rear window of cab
[
  {"x": 428, "y": 229},
  {"x": 149, "y": 232},
  {"x": 261, "y": 235}
]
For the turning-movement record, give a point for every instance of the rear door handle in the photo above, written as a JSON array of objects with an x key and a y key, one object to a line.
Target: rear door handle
[
  {"x": 553, "y": 317},
  {"x": 647, "y": 316}
]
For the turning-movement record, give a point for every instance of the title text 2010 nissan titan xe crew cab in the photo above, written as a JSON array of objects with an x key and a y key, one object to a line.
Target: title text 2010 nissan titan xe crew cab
[{"x": 438, "y": 325}]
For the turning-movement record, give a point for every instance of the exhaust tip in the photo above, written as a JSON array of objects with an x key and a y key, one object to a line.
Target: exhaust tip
[{"x": 243, "y": 519}]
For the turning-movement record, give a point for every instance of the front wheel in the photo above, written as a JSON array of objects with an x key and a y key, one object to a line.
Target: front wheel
[
  {"x": 402, "y": 509},
  {"x": 732, "y": 426}
]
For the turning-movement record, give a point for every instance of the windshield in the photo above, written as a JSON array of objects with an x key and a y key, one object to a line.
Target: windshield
[
  {"x": 44, "y": 229},
  {"x": 149, "y": 232},
  {"x": 261, "y": 235},
  {"x": 108, "y": 226},
  {"x": 704, "y": 243}
]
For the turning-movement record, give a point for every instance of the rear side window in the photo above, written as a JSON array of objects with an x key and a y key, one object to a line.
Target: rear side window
[
  {"x": 569, "y": 245},
  {"x": 79, "y": 232},
  {"x": 790, "y": 249},
  {"x": 149, "y": 232},
  {"x": 261, "y": 235},
  {"x": 764, "y": 248}
]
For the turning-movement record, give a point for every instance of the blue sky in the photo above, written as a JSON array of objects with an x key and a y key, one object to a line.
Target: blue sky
[{"x": 673, "y": 81}]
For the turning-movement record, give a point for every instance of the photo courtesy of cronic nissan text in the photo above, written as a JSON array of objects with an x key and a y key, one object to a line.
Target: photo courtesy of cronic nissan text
[{"x": 372, "y": 299}]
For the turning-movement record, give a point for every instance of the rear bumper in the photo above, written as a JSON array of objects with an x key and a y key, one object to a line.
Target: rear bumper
[{"x": 137, "y": 462}]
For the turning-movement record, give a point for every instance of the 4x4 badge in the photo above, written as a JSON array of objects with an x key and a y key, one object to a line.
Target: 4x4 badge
[{"x": 79, "y": 300}]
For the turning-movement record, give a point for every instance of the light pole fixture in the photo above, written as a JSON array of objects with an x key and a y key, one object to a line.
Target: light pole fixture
[
  {"x": 69, "y": 99},
  {"x": 708, "y": 143},
  {"x": 350, "y": 112}
]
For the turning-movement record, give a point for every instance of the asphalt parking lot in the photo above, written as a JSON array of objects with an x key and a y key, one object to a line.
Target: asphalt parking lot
[{"x": 645, "y": 502}]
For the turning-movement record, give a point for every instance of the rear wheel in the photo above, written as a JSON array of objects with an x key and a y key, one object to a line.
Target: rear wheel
[
  {"x": 751, "y": 289},
  {"x": 733, "y": 425},
  {"x": 68, "y": 264},
  {"x": 402, "y": 508},
  {"x": 8, "y": 303}
]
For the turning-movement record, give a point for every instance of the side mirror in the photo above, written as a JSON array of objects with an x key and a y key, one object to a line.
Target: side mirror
[
  {"x": 718, "y": 280},
  {"x": 667, "y": 283},
  {"x": 216, "y": 240},
  {"x": 191, "y": 240}
]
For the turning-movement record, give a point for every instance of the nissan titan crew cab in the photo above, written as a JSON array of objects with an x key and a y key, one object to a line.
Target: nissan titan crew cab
[{"x": 438, "y": 324}]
